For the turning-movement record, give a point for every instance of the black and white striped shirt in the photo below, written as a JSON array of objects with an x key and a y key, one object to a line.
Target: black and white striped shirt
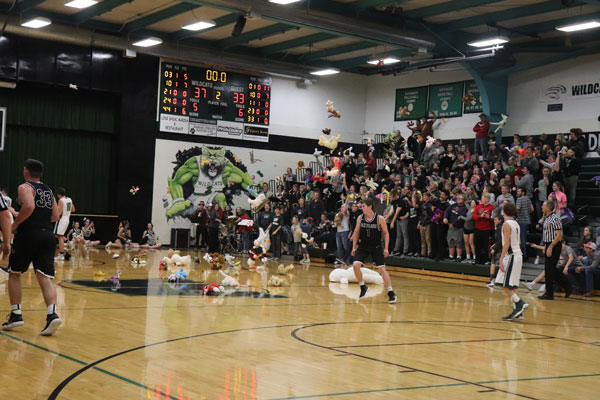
[
  {"x": 3, "y": 205},
  {"x": 551, "y": 225}
]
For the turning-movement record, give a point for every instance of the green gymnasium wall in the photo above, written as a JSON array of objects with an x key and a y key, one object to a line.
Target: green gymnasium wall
[{"x": 73, "y": 133}]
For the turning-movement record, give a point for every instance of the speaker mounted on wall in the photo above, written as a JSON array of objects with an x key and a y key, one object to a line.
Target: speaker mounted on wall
[{"x": 239, "y": 26}]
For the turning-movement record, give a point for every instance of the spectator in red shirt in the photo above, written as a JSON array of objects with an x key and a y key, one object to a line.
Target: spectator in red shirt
[
  {"x": 243, "y": 230},
  {"x": 481, "y": 130},
  {"x": 371, "y": 163},
  {"x": 484, "y": 227}
]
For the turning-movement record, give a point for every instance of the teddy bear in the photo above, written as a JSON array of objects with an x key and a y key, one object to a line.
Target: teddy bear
[
  {"x": 331, "y": 143},
  {"x": 331, "y": 110},
  {"x": 345, "y": 276},
  {"x": 283, "y": 270}
]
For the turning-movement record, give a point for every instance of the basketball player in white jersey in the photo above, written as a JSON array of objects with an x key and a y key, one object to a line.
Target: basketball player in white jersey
[
  {"x": 511, "y": 261},
  {"x": 5, "y": 228},
  {"x": 65, "y": 208}
]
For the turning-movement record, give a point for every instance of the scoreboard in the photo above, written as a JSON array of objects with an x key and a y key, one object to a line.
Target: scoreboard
[{"x": 213, "y": 102}]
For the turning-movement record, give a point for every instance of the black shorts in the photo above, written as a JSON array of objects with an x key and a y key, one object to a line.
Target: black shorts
[
  {"x": 468, "y": 231},
  {"x": 35, "y": 246},
  {"x": 376, "y": 256}
]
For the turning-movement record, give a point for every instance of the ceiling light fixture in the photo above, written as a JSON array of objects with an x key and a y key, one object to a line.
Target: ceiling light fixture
[
  {"x": 493, "y": 41},
  {"x": 283, "y": 1},
  {"x": 580, "y": 26},
  {"x": 81, "y": 3},
  {"x": 383, "y": 61},
  {"x": 328, "y": 71},
  {"x": 36, "y": 23},
  {"x": 151, "y": 41},
  {"x": 198, "y": 26}
]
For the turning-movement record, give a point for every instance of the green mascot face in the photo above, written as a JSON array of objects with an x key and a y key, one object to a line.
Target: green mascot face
[{"x": 216, "y": 161}]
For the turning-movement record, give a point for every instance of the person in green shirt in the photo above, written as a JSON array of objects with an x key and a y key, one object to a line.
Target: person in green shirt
[{"x": 276, "y": 233}]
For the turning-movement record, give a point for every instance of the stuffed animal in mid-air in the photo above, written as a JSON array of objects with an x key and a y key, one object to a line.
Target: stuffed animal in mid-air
[
  {"x": 500, "y": 124},
  {"x": 331, "y": 143},
  {"x": 469, "y": 98},
  {"x": 403, "y": 112},
  {"x": 332, "y": 111},
  {"x": 257, "y": 203},
  {"x": 348, "y": 153},
  {"x": 337, "y": 167},
  {"x": 326, "y": 131}
]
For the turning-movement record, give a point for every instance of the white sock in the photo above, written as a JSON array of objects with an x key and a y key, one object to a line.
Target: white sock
[
  {"x": 51, "y": 309},
  {"x": 16, "y": 309},
  {"x": 468, "y": 256},
  {"x": 515, "y": 298},
  {"x": 390, "y": 289},
  {"x": 361, "y": 283}
]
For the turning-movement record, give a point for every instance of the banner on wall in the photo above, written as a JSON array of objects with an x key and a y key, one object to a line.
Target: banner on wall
[
  {"x": 415, "y": 101},
  {"x": 446, "y": 99},
  {"x": 593, "y": 139},
  {"x": 471, "y": 87},
  {"x": 553, "y": 92},
  {"x": 186, "y": 173}
]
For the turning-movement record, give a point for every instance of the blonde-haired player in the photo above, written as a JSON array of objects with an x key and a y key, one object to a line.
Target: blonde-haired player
[{"x": 511, "y": 261}]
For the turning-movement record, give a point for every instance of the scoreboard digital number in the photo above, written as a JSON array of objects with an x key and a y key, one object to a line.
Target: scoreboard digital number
[{"x": 213, "y": 102}]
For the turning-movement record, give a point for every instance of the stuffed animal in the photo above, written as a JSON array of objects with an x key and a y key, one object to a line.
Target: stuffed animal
[
  {"x": 212, "y": 288},
  {"x": 345, "y": 276},
  {"x": 98, "y": 276},
  {"x": 177, "y": 260},
  {"x": 116, "y": 276},
  {"x": 331, "y": 143},
  {"x": 469, "y": 98},
  {"x": 500, "y": 124},
  {"x": 275, "y": 281},
  {"x": 336, "y": 170},
  {"x": 257, "y": 203},
  {"x": 403, "y": 112},
  {"x": 228, "y": 280},
  {"x": 430, "y": 141},
  {"x": 332, "y": 111},
  {"x": 371, "y": 184},
  {"x": 171, "y": 252},
  {"x": 318, "y": 178},
  {"x": 326, "y": 131},
  {"x": 178, "y": 276},
  {"x": 317, "y": 152},
  {"x": 300, "y": 165},
  {"x": 139, "y": 261},
  {"x": 261, "y": 247},
  {"x": 231, "y": 261},
  {"x": 348, "y": 153},
  {"x": 283, "y": 270},
  {"x": 352, "y": 291}
]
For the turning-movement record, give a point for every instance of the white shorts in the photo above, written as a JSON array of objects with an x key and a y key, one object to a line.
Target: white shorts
[
  {"x": 61, "y": 227},
  {"x": 513, "y": 263}
]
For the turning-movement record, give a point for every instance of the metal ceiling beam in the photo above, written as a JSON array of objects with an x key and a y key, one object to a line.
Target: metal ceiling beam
[
  {"x": 364, "y": 4},
  {"x": 358, "y": 28},
  {"x": 362, "y": 60},
  {"x": 98, "y": 9},
  {"x": 219, "y": 22},
  {"x": 259, "y": 33},
  {"x": 447, "y": 7},
  {"x": 337, "y": 50},
  {"x": 516, "y": 12},
  {"x": 298, "y": 42},
  {"x": 27, "y": 5},
  {"x": 158, "y": 16},
  {"x": 545, "y": 61}
]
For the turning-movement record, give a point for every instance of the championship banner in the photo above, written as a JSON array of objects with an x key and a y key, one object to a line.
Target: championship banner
[
  {"x": 413, "y": 101},
  {"x": 446, "y": 99},
  {"x": 476, "y": 105}
]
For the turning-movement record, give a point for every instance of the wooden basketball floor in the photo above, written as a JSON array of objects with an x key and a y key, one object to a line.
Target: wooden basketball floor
[{"x": 307, "y": 340}]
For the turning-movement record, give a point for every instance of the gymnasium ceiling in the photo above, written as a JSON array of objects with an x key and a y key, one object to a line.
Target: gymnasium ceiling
[{"x": 343, "y": 34}]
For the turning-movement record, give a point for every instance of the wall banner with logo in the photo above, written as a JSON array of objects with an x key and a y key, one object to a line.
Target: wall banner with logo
[{"x": 565, "y": 91}]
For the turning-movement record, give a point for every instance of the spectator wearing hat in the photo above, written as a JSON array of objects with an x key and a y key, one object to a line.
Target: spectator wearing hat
[
  {"x": 481, "y": 129},
  {"x": 587, "y": 273},
  {"x": 494, "y": 153}
]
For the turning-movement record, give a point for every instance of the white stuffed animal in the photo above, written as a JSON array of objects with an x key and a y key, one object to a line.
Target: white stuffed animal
[
  {"x": 258, "y": 202},
  {"x": 345, "y": 276},
  {"x": 352, "y": 291},
  {"x": 275, "y": 281},
  {"x": 500, "y": 124},
  {"x": 228, "y": 280},
  {"x": 283, "y": 270},
  {"x": 178, "y": 261}
]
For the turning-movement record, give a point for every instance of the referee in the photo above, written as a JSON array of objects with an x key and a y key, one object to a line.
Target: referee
[{"x": 552, "y": 235}]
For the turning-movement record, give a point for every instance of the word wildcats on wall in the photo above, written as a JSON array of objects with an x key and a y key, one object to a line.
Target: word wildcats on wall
[
  {"x": 447, "y": 100},
  {"x": 213, "y": 102}
]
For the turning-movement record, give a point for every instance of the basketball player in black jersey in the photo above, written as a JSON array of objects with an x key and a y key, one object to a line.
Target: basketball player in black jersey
[
  {"x": 367, "y": 240},
  {"x": 34, "y": 242}
]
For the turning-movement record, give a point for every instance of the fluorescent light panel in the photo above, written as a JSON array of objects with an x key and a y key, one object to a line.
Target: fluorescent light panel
[
  {"x": 386, "y": 61},
  {"x": 151, "y": 41},
  {"x": 198, "y": 26},
  {"x": 283, "y": 1},
  {"x": 328, "y": 71},
  {"x": 81, "y": 3},
  {"x": 36, "y": 23},
  {"x": 580, "y": 26},
  {"x": 489, "y": 42}
]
